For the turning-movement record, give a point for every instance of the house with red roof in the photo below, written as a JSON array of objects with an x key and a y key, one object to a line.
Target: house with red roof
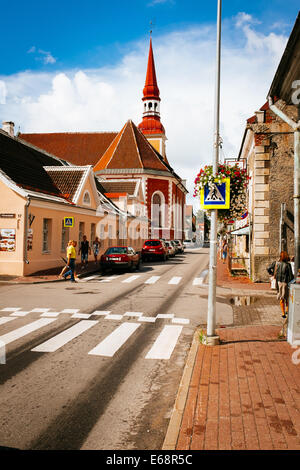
[{"x": 135, "y": 153}]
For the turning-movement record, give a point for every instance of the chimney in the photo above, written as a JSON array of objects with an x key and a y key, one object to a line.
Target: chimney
[{"x": 9, "y": 127}]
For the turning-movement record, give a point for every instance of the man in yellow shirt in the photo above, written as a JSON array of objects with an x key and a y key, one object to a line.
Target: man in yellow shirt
[{"x": 71, "y": 257}]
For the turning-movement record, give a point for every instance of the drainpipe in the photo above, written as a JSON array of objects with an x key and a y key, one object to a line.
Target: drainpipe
[
  {"x": 296, "y": 128},
  {"x": 26, "y": 230}
]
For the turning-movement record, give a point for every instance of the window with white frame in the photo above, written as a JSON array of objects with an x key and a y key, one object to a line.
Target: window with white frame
[
  {"x": 86, "y": 198},
  {"x": 46, "y": 235}
]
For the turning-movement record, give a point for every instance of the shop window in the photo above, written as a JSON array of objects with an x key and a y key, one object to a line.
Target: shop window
[{"x": 81, "y": 232}]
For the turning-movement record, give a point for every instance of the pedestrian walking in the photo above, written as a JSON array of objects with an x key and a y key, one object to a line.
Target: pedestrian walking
[
  {"x": 224, "y": 250},
  {"x": 85, "y": 250},
  {"x": 283, "y": 274},
  {"x": 71, "y": 260},
  {"x": 96, "y": 248}
]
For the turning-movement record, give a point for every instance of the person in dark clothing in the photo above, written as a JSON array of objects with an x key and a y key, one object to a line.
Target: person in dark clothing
[
  {"x": 85, "y": 250},
  {"x": 282, "y": 271}
]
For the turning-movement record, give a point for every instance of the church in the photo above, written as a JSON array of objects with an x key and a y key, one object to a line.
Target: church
[{"x": 131, "y": 164}]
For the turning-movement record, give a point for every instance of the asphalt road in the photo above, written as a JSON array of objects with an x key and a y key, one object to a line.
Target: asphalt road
[{"x": 97, "y": 364}]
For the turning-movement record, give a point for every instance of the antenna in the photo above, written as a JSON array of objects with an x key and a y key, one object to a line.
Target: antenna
[{"x": 152, "y": 23}]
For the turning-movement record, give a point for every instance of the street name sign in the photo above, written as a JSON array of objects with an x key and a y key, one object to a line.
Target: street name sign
[{"x": 217, "y": 196}]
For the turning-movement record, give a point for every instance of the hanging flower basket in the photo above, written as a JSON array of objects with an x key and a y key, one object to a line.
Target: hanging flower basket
[{"x": 239, "y": 181}]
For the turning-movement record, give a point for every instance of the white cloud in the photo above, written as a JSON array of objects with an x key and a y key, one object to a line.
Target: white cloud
[
  {"x": 41, "y": 55},
  {"x": 104, "y": 99},
  {"x": 2, "y": 92}
]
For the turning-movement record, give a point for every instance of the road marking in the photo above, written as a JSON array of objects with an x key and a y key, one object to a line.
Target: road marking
[
  {"x": 198, "y": 281},
  {"x": 25, "y": 330},
  {"x": 50, "y": 314},
  {"x": 40, "y": 310},
  {"x": 115, "y": 340},
  {"x": 113, "y": 317},
  {"x": 19, "y": 314},
  {"x": 184, "y": 321},
  {"x": 165, "y": 315},
  {"x": 85, "y": 279},
  {"x": 81, "y": 315},
  {"x": 175, "y": 280},
  {"x": 10, "y": 309},
  {"x": 147, "y": 319},
  {"x": 131, "y": 279},
  {"x": 108, "y": 279},
  {"x": 133, "y": 314},
  {"x": 165, "y": 343},
  {"x": 63, "y": 338},
  {"x": 5, "y": 320},
  {"x": 70, "y": 310},
  {"x": 152, "y": 280},
  {"x": 101, "y": 312}
]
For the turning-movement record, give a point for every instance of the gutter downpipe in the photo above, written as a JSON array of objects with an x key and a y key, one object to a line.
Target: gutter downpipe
[
  {"x": 26, "y": 230},
  {"x": 296, "y": 128}
]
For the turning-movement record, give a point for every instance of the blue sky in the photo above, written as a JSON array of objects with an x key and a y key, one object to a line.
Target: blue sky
[
  {"x": 81, "y": 66},
  {"x": 96, "y": 32}
]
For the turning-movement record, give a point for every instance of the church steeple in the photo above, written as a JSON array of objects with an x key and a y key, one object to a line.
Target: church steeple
[{"x": 151, "y": 126}]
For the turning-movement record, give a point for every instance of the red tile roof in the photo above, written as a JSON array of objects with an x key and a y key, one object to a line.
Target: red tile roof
[
  {"x": 79, "y": 148},
  {"x": 130, "y": 149}
]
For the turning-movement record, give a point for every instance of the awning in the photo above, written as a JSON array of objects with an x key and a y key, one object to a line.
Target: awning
[{"x": 241, "y": 231}]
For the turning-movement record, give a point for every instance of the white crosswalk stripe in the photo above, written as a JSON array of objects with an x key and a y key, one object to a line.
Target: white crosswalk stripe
[
  {"x": 65, "y": 337},
  {"x": 152, "y": 280},
  {"x": 25, "y": 330},
  {"x": 131, "y": 279},
  {"x": 161, "y": 349},
  {"x": 110, "y": 345},
  {"x": 165, "y": 343},
  {"x": 175, "y": 280}
]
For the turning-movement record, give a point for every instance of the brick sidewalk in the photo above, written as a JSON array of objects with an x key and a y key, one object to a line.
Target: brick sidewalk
[{"x": 243, "y": 394}]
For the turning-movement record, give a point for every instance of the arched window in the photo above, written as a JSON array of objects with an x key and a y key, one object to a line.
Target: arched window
[
  {"x": 150, "y": 105},
  {"x": 157, "y": 209},
  {"x": 87, "y": 198}
]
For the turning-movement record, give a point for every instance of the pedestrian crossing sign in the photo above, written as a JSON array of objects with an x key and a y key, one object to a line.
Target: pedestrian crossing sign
[
  {"x": 68, "y": 221},
  {"x": 216, "y": 196}
]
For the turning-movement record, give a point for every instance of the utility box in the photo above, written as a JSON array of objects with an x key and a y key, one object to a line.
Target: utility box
[{"x": 293, "y": 331}]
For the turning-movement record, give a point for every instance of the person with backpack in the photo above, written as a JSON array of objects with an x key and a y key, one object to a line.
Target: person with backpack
[{"x": 283, "y": 274}]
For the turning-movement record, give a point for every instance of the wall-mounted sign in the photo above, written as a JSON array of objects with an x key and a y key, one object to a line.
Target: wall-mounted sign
[
  {"x": 7, "y": 216},
  {"x": 7, "y": 239},
  {"x": 68, "y": 221},
  {"x": 217, "y": 196}
]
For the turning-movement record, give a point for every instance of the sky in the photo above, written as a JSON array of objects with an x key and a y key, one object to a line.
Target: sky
[{"x": 81, "y": 66}]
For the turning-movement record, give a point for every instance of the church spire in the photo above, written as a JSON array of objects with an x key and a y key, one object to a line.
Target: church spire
[{"x": 151, "y": 126}]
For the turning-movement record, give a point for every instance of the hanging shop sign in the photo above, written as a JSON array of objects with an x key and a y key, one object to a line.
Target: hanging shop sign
[{"x": 216, "y": 196}]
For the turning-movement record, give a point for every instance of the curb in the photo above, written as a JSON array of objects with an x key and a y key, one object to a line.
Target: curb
[{"x": 178, "y": 409}]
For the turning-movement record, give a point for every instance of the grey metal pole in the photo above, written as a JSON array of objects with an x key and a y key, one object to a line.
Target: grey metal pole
[{"x": 212, "y": 338}]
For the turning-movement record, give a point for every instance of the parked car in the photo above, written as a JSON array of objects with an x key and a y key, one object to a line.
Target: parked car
[
  {"x": 174, "y": 246},
  {"x": 189, "y": 244},
  {"x": 170, "y": 247},
  {"x": 180, "y": 246},
  {"x": 120, "y": 257},
  {"x": 155, "y": 249}
]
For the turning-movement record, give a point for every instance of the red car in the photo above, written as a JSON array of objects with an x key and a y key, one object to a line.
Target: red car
[
  {"x": 117, "y": 257},
  {"x": 155, "y": 249}
]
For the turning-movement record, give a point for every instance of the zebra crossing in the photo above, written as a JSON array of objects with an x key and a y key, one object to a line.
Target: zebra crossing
[
  {"x": 162, "y": 348},
  {"x": 175, "y": 280}
]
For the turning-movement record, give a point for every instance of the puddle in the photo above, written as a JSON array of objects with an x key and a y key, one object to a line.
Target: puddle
[{"x": 241, "y": 300}]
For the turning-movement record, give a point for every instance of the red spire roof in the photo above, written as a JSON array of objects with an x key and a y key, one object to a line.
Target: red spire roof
[{"x": 151, "y": 89}]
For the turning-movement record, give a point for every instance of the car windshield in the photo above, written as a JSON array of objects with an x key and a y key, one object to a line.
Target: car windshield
[
  {"x": 116, "y": 250},
  {"x": 152, "y": 243}
]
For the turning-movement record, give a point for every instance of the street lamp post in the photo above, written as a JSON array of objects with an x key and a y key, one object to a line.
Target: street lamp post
[{"x": 211, "y": 337}]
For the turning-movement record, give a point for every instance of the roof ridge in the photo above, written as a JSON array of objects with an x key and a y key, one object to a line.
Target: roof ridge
[
  {"x": 134, "y": 136},
  {"x": 115, "y": 143}
]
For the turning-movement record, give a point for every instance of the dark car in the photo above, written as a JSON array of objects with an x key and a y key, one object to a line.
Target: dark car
[
  {"x": 155, "y": 249},
  {"x": 120, "y": 257}
]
